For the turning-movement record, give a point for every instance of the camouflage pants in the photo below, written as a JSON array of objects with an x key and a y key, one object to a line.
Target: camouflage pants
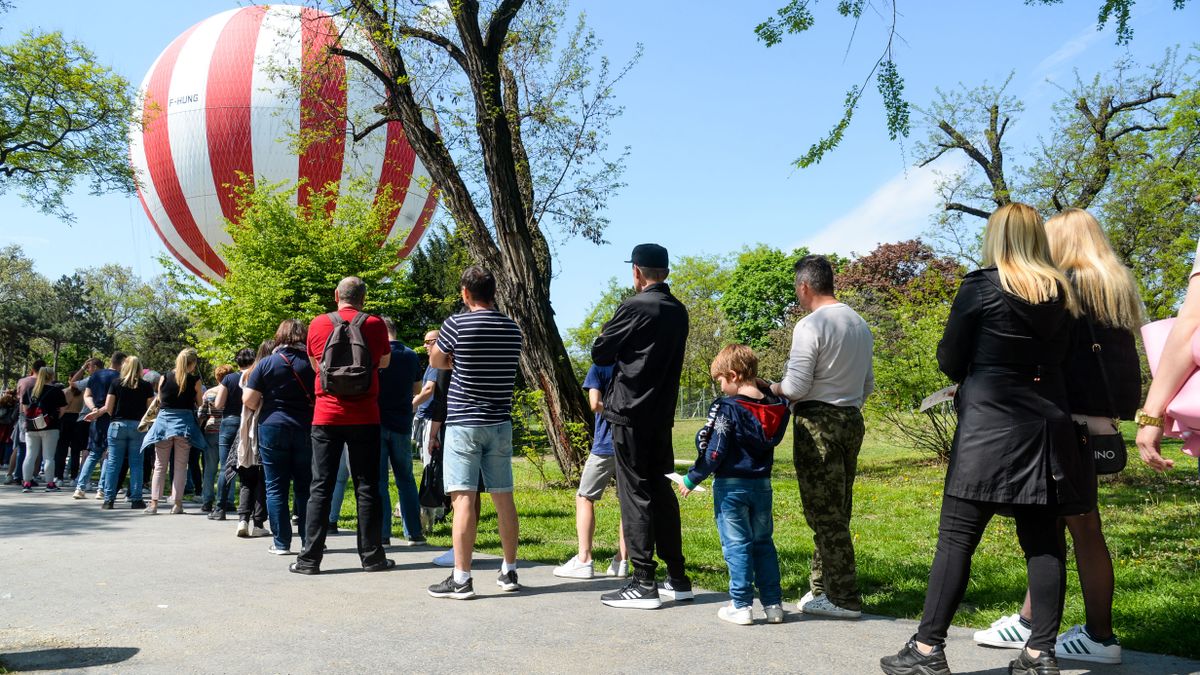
[{"x": 826, "y": 440}]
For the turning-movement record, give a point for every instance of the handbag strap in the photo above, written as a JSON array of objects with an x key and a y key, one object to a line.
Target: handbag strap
[
  {"x": 1096, "y": 349},
  {"x": 297, "y": 376}
]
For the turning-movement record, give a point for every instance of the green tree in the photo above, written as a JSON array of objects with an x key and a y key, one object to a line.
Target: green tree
[
  {"x": 70, "y": 318},
  {"x": 119, "y": 297},
  {"x": 62, "y": 117},
  {"x": 430, "y": 281},
  {"x": 285, "y": 261},
  {"x": 23, "y": 295},
  {"x": 760, "y": 294},
  {"x": 580, "y": 338},
  {"x": 700, "y": 282}
]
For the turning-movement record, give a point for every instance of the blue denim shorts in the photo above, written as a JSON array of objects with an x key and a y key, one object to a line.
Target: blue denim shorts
[{"x": 469, "y": 452}]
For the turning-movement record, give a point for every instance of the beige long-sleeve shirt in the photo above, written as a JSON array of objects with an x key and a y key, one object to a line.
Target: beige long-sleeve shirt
[{"x": 830, "y": 358}]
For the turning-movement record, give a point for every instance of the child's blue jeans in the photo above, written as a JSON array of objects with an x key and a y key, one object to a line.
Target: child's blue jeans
[{"x": 743, "y": 511}]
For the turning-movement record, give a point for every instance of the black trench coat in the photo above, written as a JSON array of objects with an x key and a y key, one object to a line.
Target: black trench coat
[{"x": 1015, "y": 442}]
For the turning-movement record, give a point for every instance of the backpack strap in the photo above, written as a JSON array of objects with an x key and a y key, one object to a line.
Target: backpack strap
[
  {"x": 359, "y": 319},
  {"x": 335, "y": 319}
]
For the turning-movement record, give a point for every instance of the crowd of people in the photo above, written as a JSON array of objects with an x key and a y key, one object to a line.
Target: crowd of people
[{"x": 1040, "y": 342}]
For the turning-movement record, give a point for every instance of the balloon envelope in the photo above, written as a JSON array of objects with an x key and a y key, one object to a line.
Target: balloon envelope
[{"x": 224, "y": 97}]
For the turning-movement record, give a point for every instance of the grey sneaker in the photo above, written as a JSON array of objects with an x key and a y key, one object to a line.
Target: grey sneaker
[
  {"x": 821, "y": 605},
  {"x": 774, "y": 613},
  {"x": 507, "y": 581},
  {"x": 449, "y": 589}
]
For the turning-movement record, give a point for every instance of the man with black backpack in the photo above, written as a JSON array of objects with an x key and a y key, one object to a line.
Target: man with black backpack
[{"x": 348, "y": 347}]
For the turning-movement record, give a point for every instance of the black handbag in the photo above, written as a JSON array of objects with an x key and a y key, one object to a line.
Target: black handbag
[
  {"x": 1108, "y": 450},
  {"x": 432, "y": 493}
]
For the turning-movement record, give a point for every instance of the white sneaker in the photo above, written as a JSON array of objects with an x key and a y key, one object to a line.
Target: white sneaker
[
  {"x": 243, "y": 528},
  {"x": 256, "y": 531},
  {"x": 821, "y": 605},
  {"x": 617, "y": 568},
  {"x": 573, "y": 569},
  {"x": 279, "y": 551},
  {"x": 1077, "y": 645},
  {"x": 99, "y": 494},
  {"x": 1006, "y": 631},
  {"x": 804, "y": 600},
  {"x": 774, "y": 613},
  {"x": 742, "y": 616},
  {"x": 446, "y": 559},
  {"x": 79, "y": 494}
]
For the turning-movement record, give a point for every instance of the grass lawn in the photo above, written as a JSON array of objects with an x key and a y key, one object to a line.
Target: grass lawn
[{"x": 1152, "y": 523}]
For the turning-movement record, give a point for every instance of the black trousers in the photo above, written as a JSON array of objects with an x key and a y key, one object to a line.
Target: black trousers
[
  {"x": 66, "y": 431},
  {"x": 959, "y": 531},
  {"x": 252, "y": 502},
  {"x": 362, "y": 443},
  {"x": 649, "y": 508}
]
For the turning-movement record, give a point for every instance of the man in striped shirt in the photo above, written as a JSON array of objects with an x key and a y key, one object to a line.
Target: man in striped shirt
[{"x": 483, "y": 346}]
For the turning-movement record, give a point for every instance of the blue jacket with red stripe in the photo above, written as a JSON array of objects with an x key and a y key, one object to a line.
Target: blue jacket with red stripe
[{"x": 739, "y": 438}]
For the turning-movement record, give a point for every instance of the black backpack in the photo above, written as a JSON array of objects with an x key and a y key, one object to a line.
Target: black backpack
[{"x": 346, "y": 365}]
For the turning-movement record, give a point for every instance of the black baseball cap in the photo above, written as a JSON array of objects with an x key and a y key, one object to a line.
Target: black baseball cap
[{"x": 649, "y": 255}]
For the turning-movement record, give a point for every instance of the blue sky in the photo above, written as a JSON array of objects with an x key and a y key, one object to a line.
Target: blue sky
[{"x": 713, "y": 119}]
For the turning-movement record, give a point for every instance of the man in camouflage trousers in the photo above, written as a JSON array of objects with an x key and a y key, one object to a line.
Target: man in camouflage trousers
[{"x": 827, "y": 378}]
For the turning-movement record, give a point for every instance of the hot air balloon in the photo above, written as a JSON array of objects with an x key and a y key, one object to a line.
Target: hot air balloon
[{"x": 223, "y": 98}]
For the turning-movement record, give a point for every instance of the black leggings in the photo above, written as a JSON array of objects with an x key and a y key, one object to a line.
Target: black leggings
[
  {"x": 962, "y": 524},
  {"x": 252, "y": 504}
]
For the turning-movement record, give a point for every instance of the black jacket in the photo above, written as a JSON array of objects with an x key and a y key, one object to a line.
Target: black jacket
[
  {"x": 644, "y": 340},
  {"x": 1086, "y": 388},
  {"x": 1015, "y": 438}
]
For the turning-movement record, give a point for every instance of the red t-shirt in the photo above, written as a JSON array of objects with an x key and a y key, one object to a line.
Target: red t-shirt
[{"x": 333, "y": 410}]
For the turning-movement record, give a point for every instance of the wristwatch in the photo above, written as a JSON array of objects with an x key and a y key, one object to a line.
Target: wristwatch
[{"x": 1144, "y": 420}]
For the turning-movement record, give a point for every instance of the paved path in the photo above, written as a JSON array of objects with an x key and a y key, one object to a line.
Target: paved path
[{"x": 116, "y": 591}]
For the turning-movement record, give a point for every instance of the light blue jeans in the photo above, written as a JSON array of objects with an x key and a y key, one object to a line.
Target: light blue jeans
[
  {"x": 471, "y": 452},
  {"x": 743, "y": 510},
  {"x": 124, "y": 440},
  {"x": 209, "y": 457},
  {"x": 397, "y": 448}
]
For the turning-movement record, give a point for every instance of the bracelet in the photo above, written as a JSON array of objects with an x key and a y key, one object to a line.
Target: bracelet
[{"x": 1143, "y": 419}]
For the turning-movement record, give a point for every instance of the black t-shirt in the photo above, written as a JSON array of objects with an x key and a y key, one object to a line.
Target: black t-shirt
[
  {"x": 131, "y": 403},
  {"x": 49, "y": 403},
  {"x": 171, "y": 396},
  {"x": 233, "y": 394}
]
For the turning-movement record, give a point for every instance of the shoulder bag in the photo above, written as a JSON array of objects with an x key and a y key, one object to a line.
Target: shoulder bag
[{"x": 1108, "y": 449}]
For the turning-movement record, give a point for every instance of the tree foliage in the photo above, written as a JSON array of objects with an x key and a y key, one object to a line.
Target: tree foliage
[
  {"x": 63, "y": 117},
  {"x": 761, "y": 293},
  {"x": 285, "y": 261},
  {"x": 580, "y": 338}
]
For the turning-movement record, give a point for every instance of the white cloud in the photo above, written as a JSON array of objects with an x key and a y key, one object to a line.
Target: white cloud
[
  {"x": 1066, "y": 53},
  {"x": 897, "y": 210}
]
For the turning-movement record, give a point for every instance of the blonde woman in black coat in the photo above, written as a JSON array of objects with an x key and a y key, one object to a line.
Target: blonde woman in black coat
[{"x": 1015, "y": 451}]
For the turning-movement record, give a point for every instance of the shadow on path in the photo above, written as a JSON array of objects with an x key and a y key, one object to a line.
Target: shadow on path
[{"x": 67, "y": 658}]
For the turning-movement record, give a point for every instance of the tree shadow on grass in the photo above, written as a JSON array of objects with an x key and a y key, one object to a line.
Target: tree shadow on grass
[{"x": 66, "y": 658}]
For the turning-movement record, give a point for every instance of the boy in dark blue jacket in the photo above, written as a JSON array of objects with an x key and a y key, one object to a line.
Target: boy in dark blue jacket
[{"x": 737, "y": 446}]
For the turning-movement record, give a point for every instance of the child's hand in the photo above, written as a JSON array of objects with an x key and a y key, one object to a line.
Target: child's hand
[{"x": 684, "y": 491}]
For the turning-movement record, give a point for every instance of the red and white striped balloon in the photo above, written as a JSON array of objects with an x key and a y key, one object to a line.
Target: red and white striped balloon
[{"x": 220, "y": 100}]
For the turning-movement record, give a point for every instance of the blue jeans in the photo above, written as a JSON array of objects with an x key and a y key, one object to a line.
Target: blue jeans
[
  {"x": 471, "y": 452},
  {"x": 211, "y": 464},
  {"x": 743, "y": 510},
  {"x": 84, "y": 479},
  {"x": 225, "y": 440},
  {"x": 124, "y": 440},
  {"x": 339, "y": 487},
  {"x": 286, "y": 453},
  {"x": 397, "y": 448}
]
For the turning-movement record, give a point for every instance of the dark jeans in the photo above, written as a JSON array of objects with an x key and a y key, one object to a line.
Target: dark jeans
[
  {"x": 959, "y": 531},
  {"x": 225, "y": 441},
  {"x": 649, "y": 509},
  {"x": 397, "y": 451},
  {"x": 253, "y": 502},
  {"x": 66, "y": 430},
  {"x": 76, "y": 444},
  {"x": 287, "y": 459},
  {"x": 362, "y": 442}
]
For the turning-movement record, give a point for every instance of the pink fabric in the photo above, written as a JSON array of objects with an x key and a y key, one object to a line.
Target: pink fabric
[{"x": 1183, "y": 412}]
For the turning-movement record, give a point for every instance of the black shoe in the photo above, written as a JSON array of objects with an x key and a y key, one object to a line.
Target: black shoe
[
  {"x": 295, "y": 519},
  {"x": 508, "y": 581},
  {"x": 909, "y": 661},
  {"x": 384, "y": 566},
  {"x": 333, "y": 528},
  {"x": 217, "y": 514},
  {"x": 107, "y": 506},
  {"x": 206, "y": 507},
  {"x": 634, "y": 595},
  {"x": 679, "y": 590},
  {"x": 449, "y": 589},
  {"x": 138, "y": 504},
  {"x": 1045, "y": 664},
  {"x": 27, "y": 487},
  {"x": 297, "y": 568}
]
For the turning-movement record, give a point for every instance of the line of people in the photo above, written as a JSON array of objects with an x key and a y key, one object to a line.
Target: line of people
[{"x": 1040, "y": 342}]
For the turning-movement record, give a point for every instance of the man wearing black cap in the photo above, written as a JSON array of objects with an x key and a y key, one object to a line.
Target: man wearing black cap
[{"x": 645, "y": 341}]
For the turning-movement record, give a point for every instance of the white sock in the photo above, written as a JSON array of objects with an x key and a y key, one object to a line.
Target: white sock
[
  {"x": 461, "y": 577},
  {"x": 506, "y": 567}
]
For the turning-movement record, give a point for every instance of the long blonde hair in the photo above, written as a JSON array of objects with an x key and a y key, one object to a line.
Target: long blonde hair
[
  {"x": 186, "y": 359},
  {"x": 131, "y": 372},
  {"x": 44, "y": 377},
  {"x": 1014, "y": 241},
  {"x": 1105, "y": 288}
]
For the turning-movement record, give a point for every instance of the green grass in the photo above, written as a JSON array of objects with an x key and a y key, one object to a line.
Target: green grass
[{"x": 1152, "y": 523}]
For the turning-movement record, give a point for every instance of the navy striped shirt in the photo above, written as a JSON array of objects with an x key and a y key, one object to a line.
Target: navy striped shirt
[{"x": 486, "y": 346}]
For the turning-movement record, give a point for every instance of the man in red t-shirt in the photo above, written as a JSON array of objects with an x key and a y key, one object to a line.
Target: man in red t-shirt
[{"x": 353, "y": 422}]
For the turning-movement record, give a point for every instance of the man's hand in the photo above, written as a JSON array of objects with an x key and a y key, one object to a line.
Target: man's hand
[{"x": 1149, "y": 444}]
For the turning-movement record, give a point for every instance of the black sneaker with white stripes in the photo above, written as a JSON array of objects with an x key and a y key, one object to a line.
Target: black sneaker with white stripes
[
  {"x": 634, "y": 595},
  {"x": 449, "y": 589}
]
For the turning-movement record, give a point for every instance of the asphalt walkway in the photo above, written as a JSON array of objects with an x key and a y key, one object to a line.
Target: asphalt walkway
[{"x": 87, "y": 590}]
